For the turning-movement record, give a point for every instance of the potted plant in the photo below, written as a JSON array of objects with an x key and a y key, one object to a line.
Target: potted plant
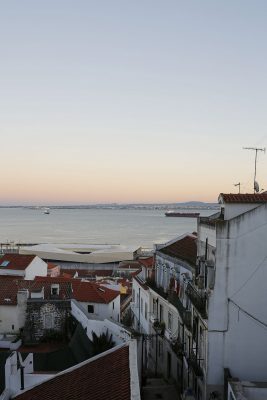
[{"x": 159, "y": 327}]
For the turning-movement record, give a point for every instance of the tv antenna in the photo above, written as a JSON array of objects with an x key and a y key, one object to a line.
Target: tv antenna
[
  {"x": 256, "y": 149},
  {"x": 238, "y": 184}
]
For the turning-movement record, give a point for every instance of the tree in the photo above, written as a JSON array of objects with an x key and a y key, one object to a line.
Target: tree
[{"x": 101, "y": 343}]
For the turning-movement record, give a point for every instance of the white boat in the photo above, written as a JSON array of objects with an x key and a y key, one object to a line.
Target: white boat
[{"x": 47, "y": 211}]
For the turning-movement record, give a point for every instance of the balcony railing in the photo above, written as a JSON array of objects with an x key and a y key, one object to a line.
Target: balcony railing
[
  {"x": 172, "y": 297},
  {"x": 178, "y": 348},
  {"x": 194, "y": 363},
  {"x": 184, "y": 313},
  {"x": 197, "y": 300},
  {"x": 158, "y": 289}
]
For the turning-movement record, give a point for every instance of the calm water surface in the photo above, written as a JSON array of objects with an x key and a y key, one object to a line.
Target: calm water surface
[{"x": 127, "y": 227}]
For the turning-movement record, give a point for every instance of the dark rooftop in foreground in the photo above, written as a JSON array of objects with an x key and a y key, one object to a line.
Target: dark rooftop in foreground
[{"x": 106, "y": 376}]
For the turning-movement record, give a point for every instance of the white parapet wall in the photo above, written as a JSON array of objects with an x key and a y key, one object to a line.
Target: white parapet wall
[
  {"x": 13, "y": 374},
  {"x": 92, "y": 323}
]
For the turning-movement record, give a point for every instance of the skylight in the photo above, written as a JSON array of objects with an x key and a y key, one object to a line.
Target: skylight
[{"x": 5, "y": 263}]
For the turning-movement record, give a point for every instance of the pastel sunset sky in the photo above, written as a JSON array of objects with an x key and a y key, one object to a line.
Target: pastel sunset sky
[{"x": 131, "y": 101}]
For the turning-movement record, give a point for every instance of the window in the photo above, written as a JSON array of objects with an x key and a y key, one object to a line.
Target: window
[
  {"x": 13, "y": 327},
  {"x": 154, "y": 307},
  {"x": 113, "y": 305},
  {"x": 48, "y": 321},
  {"x": 90, "y": 308},
  {"x": 161, "y": 313},
  {"x": 4, "y": 263},
  {"x": 142, "y": 304},
  {"x": 169, "y": 320},
  {"x": 145, "y": 310},
  {"x": 55, "y": 290}
]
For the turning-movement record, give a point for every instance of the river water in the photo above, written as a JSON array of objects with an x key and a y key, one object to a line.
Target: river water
[{"x": 93, "y": 226}]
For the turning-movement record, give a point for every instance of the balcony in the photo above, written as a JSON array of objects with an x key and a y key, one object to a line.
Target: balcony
[
  {"x": 158, "y": 289},
  {"x": 174, "y": 300},
  {"x": 159, "y": 327},
  {"x": 184, "y": 313},
  {"x": 194, "y": 364},
  {"x": 178, "y": 348},
  {"x": 197, "y": 300}
]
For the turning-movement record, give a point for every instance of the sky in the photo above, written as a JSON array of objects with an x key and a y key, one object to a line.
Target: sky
[{"x": 131, "y": 101}]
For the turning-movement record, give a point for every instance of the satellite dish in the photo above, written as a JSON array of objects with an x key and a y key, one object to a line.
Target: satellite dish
[{"x": 256, "y": 187}]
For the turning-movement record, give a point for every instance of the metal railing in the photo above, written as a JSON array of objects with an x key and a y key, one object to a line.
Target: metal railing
[
  {"x": 197, "y": 300},
  {"x": 194, "y": 363},
  {"x": 184, "y": 313}
]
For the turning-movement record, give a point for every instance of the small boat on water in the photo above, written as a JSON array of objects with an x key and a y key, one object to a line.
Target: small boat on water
[
  {"x": 47, "y": 211},
  {"x": 181, "y": 214}
]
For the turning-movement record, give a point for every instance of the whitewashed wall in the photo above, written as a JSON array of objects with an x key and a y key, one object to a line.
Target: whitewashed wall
[
  {"x": 91, "y": 323},
  {"x": 236, "y": 340},
  {"x": 36, "y": 268},
  {"x": 110, "y": 310}
]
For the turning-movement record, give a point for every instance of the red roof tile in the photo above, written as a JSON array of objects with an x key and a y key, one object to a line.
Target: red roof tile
[
  {"x": 244, "y": 197},
  {"x": 92, "y": 292},
  {"x": 68, "y": 289},
  {"x": 16, "y": 261},
  {"x": 51, "y": 265},
  {"x": 147, "y": 262},
  {"x": 87, "y": 273},
  {"x": 184, "y": 249},
  {"x": 107, "y": 377},
  {"x": 8, "y": 292}
]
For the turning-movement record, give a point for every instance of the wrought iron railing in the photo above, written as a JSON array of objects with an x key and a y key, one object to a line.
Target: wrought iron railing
[
  {"x": 194, "y": 363},
  {"x": 158, "y": 289},
  {"x": 178, "y": 348},
  {"x": 198, "y": 300},
  {"x": 184, "y": 313}
]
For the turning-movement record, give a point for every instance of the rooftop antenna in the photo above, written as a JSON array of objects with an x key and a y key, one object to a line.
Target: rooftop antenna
[
  {"x": 238, "y": 184},
  {"x": 256, "y": 149}
]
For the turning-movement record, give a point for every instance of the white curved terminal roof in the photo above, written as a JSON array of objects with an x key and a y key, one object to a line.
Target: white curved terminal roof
[{"x": 91, "y": 253}]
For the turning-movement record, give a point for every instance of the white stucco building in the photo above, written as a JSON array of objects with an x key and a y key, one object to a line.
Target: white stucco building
[
  {"x": 23, "y": 266},
  {"x": 232, "y": 248},
  {"x": 214, "y": 307}
]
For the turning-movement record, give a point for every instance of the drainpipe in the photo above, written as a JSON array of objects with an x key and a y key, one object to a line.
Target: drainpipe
[
  {"x": 139, "y": 305},
  {"x": 156, "y": 365},
  {"x": 21, "y": 377}
]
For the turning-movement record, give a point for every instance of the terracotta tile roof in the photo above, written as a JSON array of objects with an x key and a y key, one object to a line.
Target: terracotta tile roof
[
  {"x": 92, "y": 292},
  {"x": 86, "y": 273},
  {"x": 51, "y": 265},
  {"x": 8, "y": 292},
  {"x": 244, "y": 197},
  {"x": 68, "y": 289},
  {"x": 16, "y": 261},
  {"x": 183, "y": 249},
  {"x": 106, "y": 377},
  {"x": 128, "y": 265},
  {"x": 147, "y": 262}
]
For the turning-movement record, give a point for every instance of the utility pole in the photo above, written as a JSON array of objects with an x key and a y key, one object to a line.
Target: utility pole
[{"x": 256, "y": 149}]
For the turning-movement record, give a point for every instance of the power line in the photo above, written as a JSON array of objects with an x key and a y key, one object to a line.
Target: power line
[
  {"x": 248, "y": 314},
  {"x": 250, "y": 277}
]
